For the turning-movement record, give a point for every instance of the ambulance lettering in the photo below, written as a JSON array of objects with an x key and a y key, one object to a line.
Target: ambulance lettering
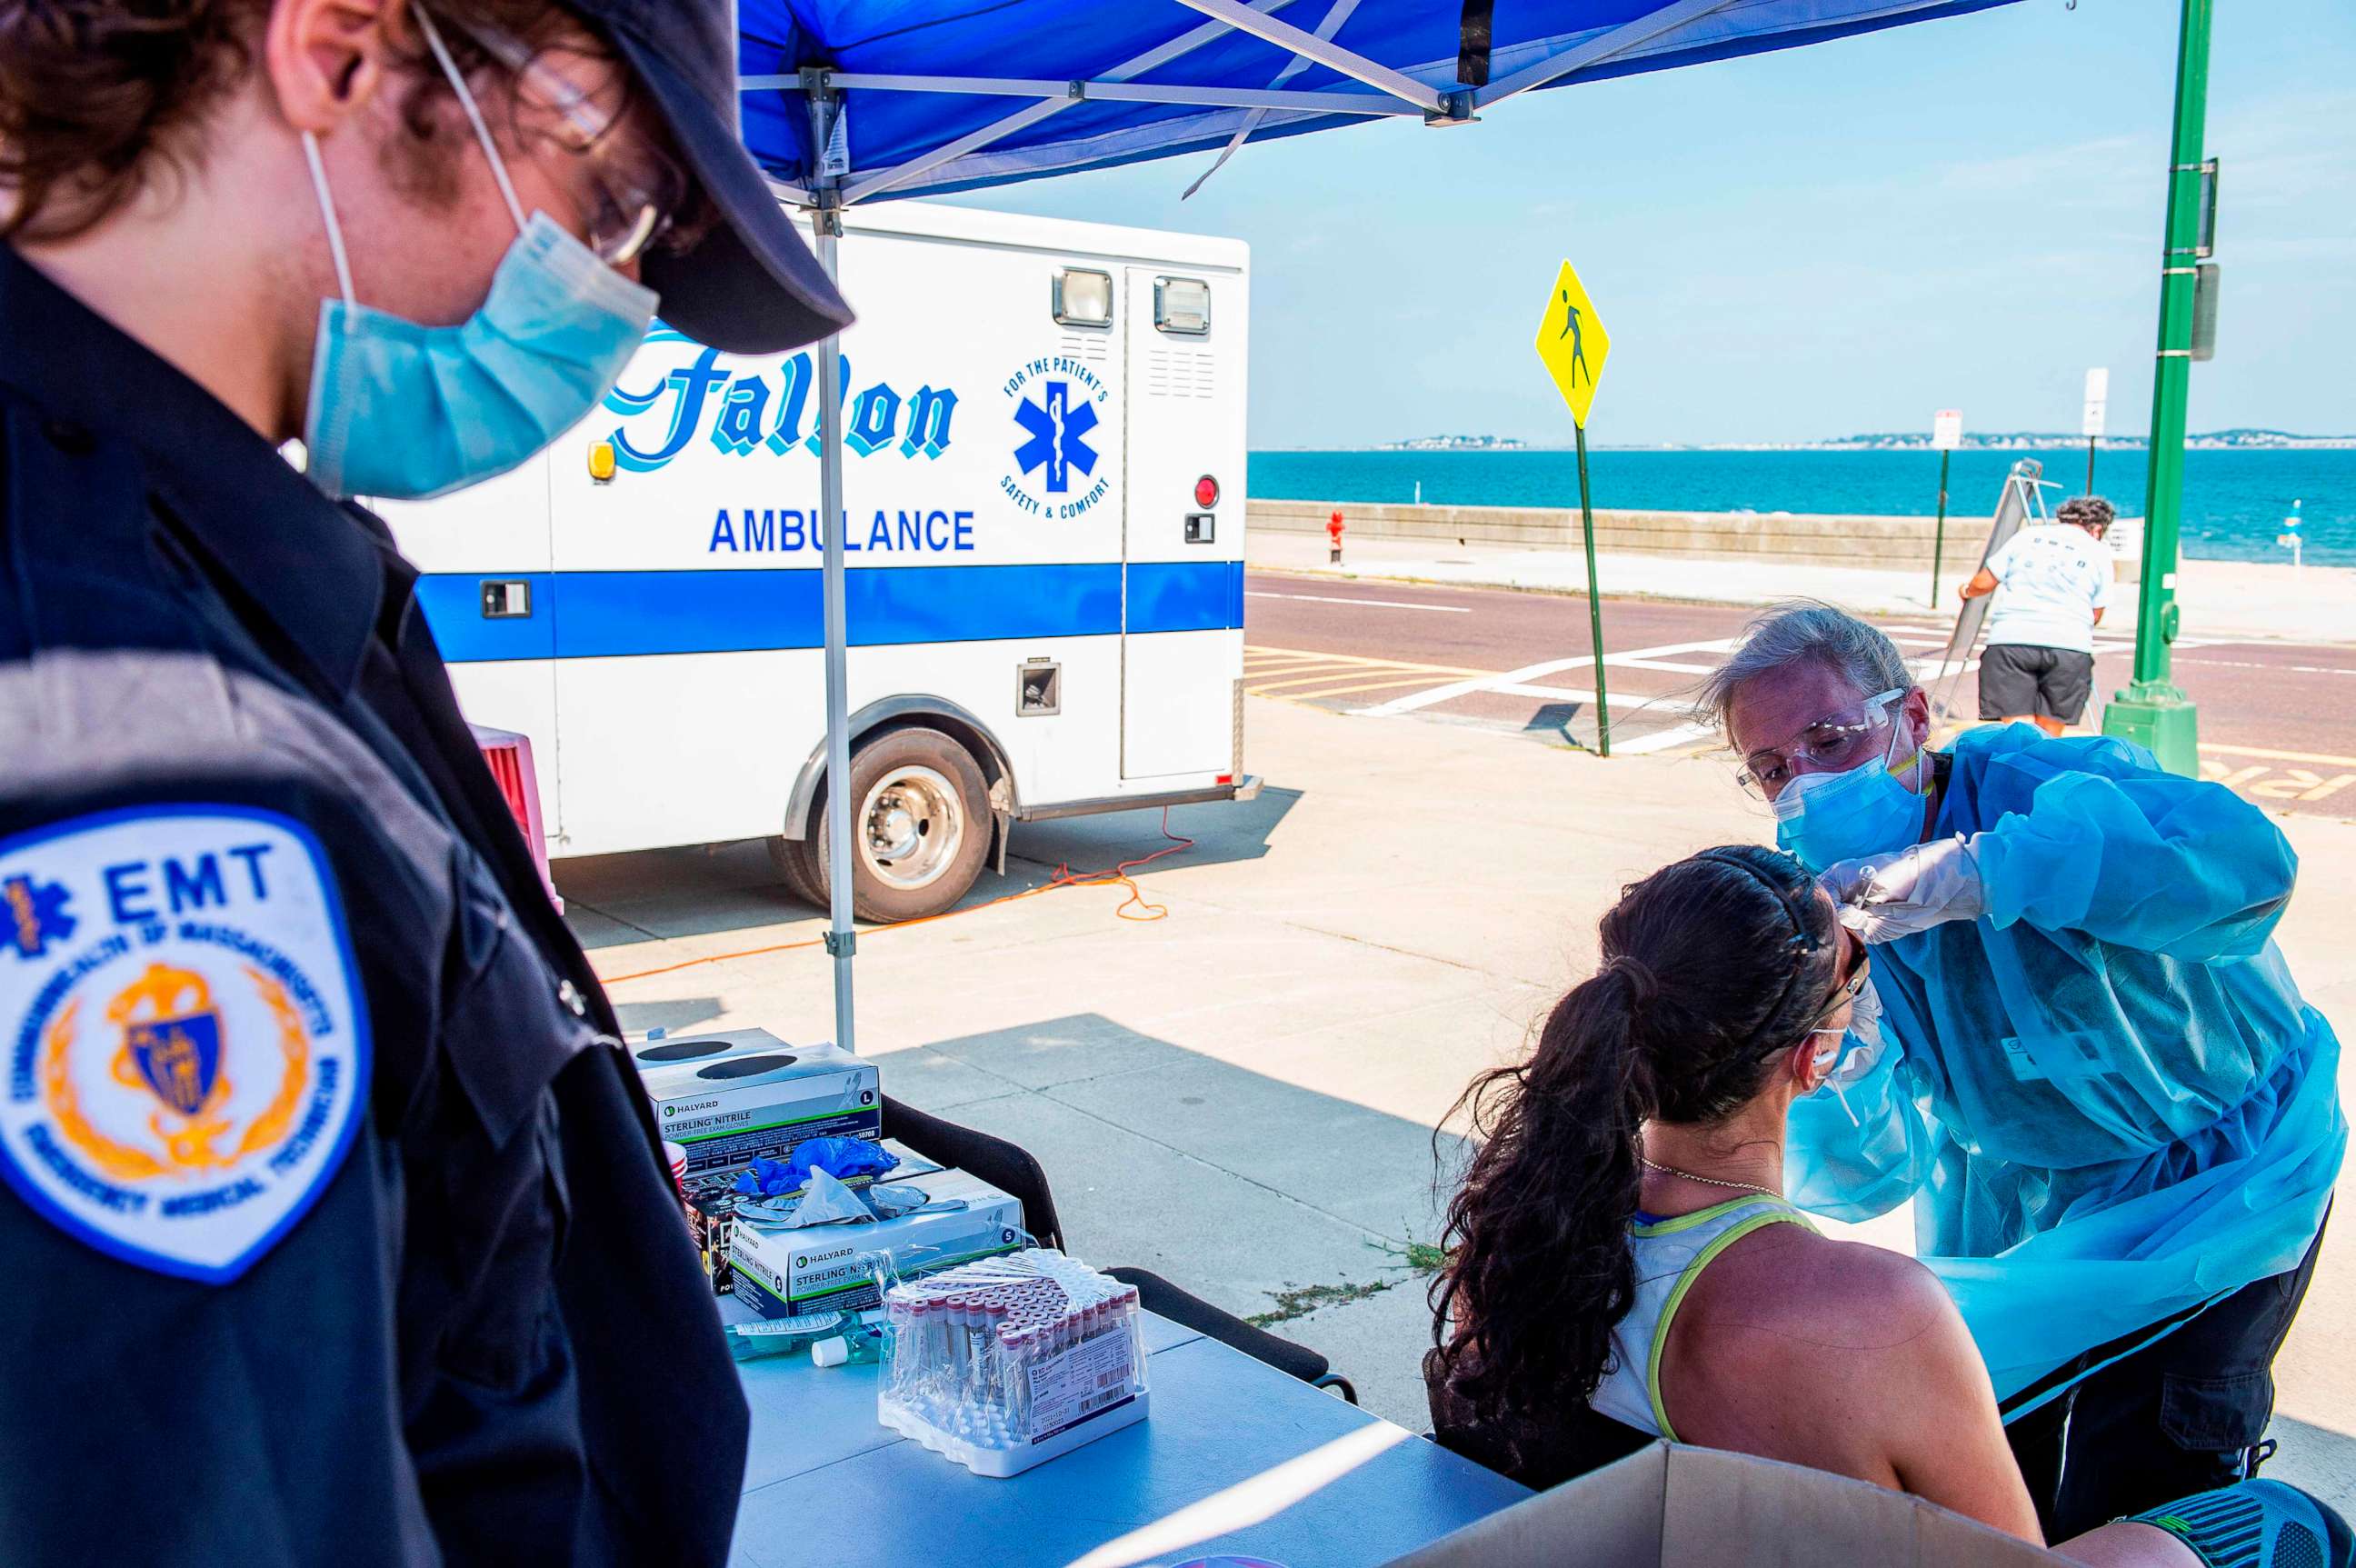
[{"x": 741, "y": 410}]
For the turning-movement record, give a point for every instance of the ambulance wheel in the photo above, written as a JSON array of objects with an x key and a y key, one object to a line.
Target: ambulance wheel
[
  {"x": 796, "y": 864},
  {"x": 923, "y": 828}
]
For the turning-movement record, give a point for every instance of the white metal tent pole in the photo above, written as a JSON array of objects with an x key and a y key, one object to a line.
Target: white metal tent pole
[
  {"x": 1244, "y": 19},
  {"x": 1105, "y": 91},
  {"x": 876, "y": 184},
  {"x": 1602, "y": 47},
  {"x": 1335, "y": 15},
  {"x": 842, "y": 938}
]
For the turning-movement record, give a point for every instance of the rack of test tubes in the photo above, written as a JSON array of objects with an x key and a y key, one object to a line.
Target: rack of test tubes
[{"x": 1005, "y": 1362}]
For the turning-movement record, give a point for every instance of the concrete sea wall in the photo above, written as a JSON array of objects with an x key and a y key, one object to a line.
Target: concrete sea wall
[{"x": 1890, "y": 543}]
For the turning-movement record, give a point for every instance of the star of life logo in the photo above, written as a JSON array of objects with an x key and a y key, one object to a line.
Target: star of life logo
[
  {"x": 186, "y": 1060},
  {"x": 1056, "y": 400}
]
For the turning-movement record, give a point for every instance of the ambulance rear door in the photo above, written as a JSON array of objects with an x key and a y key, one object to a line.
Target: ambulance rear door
[{"x": 1183, "y": 601}]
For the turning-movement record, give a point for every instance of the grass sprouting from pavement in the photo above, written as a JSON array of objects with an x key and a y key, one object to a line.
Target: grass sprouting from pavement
[
  {"x": 1302, "y": 1300},
  {"x": 1421, "y": 1257}
]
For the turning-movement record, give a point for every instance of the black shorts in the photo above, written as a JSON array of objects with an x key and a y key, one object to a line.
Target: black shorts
[{"x": 2017, "y": 679}]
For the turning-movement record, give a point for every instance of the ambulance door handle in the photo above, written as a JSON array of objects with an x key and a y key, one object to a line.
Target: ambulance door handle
[{"x": 506, "y": 599}]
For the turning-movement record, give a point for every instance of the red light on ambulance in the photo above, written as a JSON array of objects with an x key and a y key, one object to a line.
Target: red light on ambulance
[{"x": 1206, "y": 492}]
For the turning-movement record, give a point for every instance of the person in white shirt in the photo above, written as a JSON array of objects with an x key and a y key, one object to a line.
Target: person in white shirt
[{"x": 2051, "y": 584}]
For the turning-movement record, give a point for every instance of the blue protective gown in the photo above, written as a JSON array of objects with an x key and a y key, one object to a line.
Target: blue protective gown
[{"x": 2105, "y": 1095}]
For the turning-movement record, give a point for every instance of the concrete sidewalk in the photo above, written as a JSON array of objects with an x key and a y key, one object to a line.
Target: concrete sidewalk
[
  {"x": 1242, "y": 1096},
  {"x": 2219, "y": 599}
]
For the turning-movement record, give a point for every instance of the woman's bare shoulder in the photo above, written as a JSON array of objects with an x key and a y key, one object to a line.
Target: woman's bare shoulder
[{"x": 1795, "y": 1346}]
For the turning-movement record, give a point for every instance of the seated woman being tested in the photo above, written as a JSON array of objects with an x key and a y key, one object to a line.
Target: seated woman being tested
[{"x": 1622, "y": 1264}]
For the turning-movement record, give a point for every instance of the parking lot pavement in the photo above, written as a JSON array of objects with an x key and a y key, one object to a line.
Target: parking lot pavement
[{"x": 1242, "y": 1095}]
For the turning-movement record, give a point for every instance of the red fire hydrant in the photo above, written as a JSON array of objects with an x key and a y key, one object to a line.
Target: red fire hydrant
[{"x": 1334, "y": 532}]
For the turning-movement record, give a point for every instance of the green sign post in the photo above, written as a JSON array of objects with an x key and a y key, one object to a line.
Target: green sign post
[
  {"x": 2153, "y": 711},
  {"x": 1946, "y": 435},
  {"x": 1571, "y": 345}
]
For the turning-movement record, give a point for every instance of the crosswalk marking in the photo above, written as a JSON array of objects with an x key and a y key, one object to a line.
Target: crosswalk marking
[
  {"x": 1665, "y": 740},
  {"x": 1294, "y": 677},
  {"x": 1505, "y": 680},
  {"x": 1369, "y": 604},
  {"x": 1346, "y": 691}
]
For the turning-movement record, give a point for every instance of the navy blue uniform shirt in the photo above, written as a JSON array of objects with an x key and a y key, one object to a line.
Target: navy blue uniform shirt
[{"x": 335, "y": 1227}]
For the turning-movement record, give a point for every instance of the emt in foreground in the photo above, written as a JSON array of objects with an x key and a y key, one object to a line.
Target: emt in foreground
[
  {"x": 335, "y": 1224},
  {"x": 1622, "y": 1264},
  {"x": 2090, "y": 1062}
]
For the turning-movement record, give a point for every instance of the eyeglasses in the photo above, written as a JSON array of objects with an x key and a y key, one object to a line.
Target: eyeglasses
[
  {"x": 640, "y": 192},
  {"x": 1849, "y": 989},
  {"x": 1833, "y": 744}
]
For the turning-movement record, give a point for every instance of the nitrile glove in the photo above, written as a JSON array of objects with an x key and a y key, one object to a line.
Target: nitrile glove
[
  {"x": 1883, "y": 896},
  {"x": 848, "y": 1158}
]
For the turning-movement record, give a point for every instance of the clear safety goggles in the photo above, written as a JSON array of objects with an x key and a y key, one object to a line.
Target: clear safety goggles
[
  {"x": 1836, "y": 742},
  {"x": 639, "y": 192},
  {"x": 1849, "y": 990}
]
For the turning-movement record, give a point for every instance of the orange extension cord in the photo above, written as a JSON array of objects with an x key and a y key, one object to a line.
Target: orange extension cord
[{"x": 1063, "y": 877}]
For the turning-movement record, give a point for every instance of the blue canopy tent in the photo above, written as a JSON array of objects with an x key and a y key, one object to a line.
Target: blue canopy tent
[{"x": 851, "y": 101}]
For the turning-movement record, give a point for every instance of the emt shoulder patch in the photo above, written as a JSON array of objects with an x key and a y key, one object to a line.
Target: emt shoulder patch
[{"x": 187, "y": 1046}]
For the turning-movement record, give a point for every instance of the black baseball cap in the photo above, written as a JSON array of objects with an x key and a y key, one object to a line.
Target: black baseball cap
[{"x": 750, "y": 286}]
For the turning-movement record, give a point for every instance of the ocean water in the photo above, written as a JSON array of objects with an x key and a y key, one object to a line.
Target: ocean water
[{"x": 2234, "y": 501}]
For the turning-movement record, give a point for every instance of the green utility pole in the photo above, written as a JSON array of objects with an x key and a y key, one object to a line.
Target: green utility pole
[
  {"x": 1594, "y": 602},
  {"x": 2153, "y": 711},
  {"x": 1939, "y": 538}
]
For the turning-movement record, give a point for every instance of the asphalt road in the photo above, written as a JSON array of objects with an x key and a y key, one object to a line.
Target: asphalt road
[{"x": 2275, "y": 719}]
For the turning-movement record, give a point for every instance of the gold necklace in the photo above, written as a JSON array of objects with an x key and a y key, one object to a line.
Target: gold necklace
[{"x": 1705, "y": 1181}]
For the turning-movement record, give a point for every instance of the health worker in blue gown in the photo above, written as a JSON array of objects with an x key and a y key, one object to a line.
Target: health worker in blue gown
[{"x": 2090, "y": 1070}]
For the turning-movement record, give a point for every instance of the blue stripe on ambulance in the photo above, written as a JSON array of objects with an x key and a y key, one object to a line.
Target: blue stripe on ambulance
[{"x": 603, "y": 614}]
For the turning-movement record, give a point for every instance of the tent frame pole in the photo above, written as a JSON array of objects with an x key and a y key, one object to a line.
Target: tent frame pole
[
  {"x": 842, "y": 935},
  {"x": 1602, "y": 47},
  {"x": 881, "y": 180},
  {"x": 1373, "y": 105},
  {"x": 1325, "y": 52}
]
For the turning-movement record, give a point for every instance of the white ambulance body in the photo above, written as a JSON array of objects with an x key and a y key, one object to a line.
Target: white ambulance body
[{"x": 1043, "y": 483}]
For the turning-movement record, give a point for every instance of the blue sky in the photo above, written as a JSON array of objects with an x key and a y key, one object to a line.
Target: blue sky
[{"x": 1963, "y": 214}]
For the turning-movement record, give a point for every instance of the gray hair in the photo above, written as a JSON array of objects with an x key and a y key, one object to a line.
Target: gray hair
[
  {"x": 2092, "y": 513},
  {"x": 1803, "y": 632}
]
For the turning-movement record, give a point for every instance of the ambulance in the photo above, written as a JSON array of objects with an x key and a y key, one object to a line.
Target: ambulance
[{"x": 1044, "y": 531}]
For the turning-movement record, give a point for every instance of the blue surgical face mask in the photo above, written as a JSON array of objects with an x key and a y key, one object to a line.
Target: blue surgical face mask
[
  {"x": 1828, "y": 817},
  {"x": 404, "y": 412}
]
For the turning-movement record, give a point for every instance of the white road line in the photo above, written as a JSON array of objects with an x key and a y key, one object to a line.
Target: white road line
[
  {"x": 1663, "y": 740},
  {"x": 1371, "y": 604},
  {"x": 1572, "y": 694},
  {"x": 2327, "y": 761},
  {"x": 1455, "y": 689},
  {"x": 1630, "y": 662},
  {"x": 2253, "y": 664}
]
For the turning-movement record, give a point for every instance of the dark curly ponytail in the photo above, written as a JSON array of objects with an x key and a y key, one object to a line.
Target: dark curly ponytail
[
  {"x": 92, "y": 91},
  {"x": 100, "y": 98},
  {"x": 1710, "y": 967}
]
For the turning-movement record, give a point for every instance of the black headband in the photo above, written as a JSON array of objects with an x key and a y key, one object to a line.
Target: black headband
[{"x": 1802, "y": 942}]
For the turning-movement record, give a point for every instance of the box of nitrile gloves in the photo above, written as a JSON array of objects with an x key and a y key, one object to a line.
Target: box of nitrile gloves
[
  {"x": 712, "y": 1199},
  {"x": 781, "y": 1273},
  {"x": 759, "y": 1099}
]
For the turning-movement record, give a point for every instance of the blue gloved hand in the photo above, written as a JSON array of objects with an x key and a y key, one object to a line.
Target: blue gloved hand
[{"x": 1883, "y": 896}]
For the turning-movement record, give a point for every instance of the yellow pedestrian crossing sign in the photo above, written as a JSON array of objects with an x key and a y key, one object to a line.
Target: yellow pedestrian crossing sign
[{"x": 1572, "y": 343}]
